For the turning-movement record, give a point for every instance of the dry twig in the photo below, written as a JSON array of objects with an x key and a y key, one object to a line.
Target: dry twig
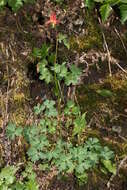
[
  {"x": 118, "y": 34},
  {"x": 107, "y": 49},
  {"x": 117, "y": 172}
]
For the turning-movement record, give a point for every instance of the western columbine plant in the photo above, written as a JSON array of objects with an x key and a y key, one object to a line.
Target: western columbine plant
[
  {"x": 58, "y": 137},
  {"x": 50, "y": 69}
]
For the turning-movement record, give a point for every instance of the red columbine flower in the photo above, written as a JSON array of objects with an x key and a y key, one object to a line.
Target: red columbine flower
[{"x": 53, "y": 20}]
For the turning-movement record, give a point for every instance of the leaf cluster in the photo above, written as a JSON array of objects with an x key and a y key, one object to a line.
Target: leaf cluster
[
  {"x": 14, "y": 4},
  {"x": 48, "y": 145},
  {"x": 81, "y": 159},
  {"x": 8, "y": 179},
  {"x": 50, "y": 70},
  {"x": 106, "y": 7}
]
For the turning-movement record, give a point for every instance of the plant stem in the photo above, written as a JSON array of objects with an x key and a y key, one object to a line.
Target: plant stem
[
  {"x": 55, "y": 78},
  {"x": 57, "y": 83}
]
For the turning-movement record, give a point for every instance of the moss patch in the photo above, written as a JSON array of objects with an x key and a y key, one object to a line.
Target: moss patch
[
  {"x": 110, "y": 108},
  {"x": 92, "y": 37}
]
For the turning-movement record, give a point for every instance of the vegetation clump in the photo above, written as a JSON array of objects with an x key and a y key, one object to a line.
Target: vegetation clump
[{"x": 71, "y": 131}]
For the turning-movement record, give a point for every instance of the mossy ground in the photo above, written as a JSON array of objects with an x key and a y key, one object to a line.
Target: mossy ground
[
  {"x": 91, "y": 39},
  {"x": 106, "y": 113}
]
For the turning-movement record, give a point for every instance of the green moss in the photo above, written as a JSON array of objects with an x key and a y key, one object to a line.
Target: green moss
[
  {"x": 106, "y": 107},
  {"x": 19, "y": 97},
  {"x": 19, "y": 93},
  {"x": 92, "y": 37},
  {"x": 117, "y": 81},
  {"x": 19, "y": 116}
]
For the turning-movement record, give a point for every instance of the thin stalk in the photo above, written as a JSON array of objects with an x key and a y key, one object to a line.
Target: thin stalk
[
  {"x": 57, "y": 83},
  {"x": 58, "y": 88},
  {"x": 55, "y": 77}
]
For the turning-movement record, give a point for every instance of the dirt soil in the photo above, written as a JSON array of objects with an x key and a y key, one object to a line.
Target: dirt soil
[{"x": 94, "y": 47}]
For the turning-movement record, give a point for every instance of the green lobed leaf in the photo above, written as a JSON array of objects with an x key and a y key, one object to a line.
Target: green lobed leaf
[
  {"x": 36, "y": 52},
  {"x": 105, "y": 11},
  {"x": 3, "y": 3},
  {"x": 73, "y": 76},
  {"x": 105, "y": 93},
  {"x": 123, "y": 12},
  {"x": 89, "y": 3},
  {"x": 39, "y": 108},
  {"x": 12, "y": 131},
  {"x": 63, "y": 38},
  {"x": 7, "y": 175},
  {"x": 79, "y": 124},
  {"x": 15, "y": 4},
  {"x": 32, "y": 185},
  {"x": 109, "y": 166}
]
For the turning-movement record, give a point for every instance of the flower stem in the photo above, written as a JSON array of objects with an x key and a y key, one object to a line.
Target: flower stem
[{"x": 57, "y": 84}]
